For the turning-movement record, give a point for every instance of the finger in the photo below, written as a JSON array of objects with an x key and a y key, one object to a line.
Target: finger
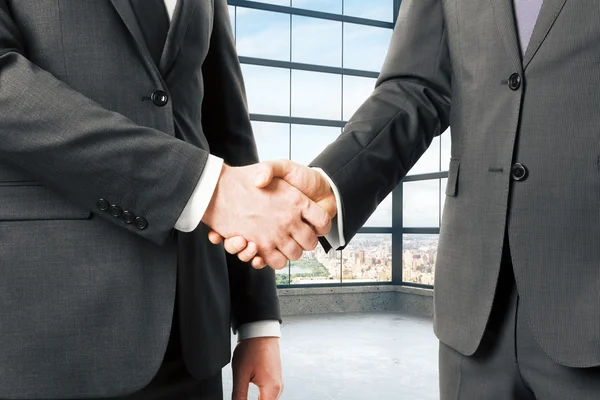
[
  {"x": 258, "y": 263},
  {"x": 317, "y": 217},
  {"x": 305, "y": 236},
  {"x": 272, "y": 169},
  {"x": 275, "y": 259},
  {"x": 248, "y": 253},
  {"x": 290, "y": 249},
  {"x": 235, "y": 244},
  {"x": 214, "y": 237},
  {"x": 271, "y": 392}
]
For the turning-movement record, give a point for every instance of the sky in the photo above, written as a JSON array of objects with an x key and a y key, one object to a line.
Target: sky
[{"x": 281, "y": 92}]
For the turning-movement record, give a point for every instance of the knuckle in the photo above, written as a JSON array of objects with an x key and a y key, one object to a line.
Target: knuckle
[
  {"x": 296, "y": 254},
  {"x": 288, "y": 221},
  {"x": 278, "y": 388},
  {"x": 298, "y": 200}
]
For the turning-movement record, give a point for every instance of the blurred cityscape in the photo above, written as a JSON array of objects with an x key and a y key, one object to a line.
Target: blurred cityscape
[
  {"x": 368, "y": 258},
  {"x": 419, "y": 253}
]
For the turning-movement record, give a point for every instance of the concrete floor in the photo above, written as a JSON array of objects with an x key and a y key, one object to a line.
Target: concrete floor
[{"x": 387, "y": 356}]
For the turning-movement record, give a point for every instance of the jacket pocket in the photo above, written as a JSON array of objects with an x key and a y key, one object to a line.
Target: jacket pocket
[
  {"x": 23, "y": 199},
  {"x": 452, "y": 186}
]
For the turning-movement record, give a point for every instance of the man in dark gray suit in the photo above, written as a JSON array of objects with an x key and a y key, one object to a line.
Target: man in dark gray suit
[
  {"x": 108, "y": 113},
  {"x": 517, "y": 289}
]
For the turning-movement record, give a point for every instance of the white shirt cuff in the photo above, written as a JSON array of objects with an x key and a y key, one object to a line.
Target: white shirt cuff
[
  {"x": 336, "y": 235},
  {"x": 198, "y": 203},
  {"x": 268, "y": 328}
]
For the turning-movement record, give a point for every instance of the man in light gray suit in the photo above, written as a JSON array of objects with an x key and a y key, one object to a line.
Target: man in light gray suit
[
  {"x": 115, "y": 120},
  {"x": 517, "y": 289}
]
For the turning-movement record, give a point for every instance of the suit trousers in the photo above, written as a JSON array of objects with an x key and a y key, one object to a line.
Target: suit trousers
[{"x": 509, "y": 364}]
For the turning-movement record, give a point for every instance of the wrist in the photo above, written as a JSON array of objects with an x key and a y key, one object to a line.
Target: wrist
[{"x": 212, "y": 210}]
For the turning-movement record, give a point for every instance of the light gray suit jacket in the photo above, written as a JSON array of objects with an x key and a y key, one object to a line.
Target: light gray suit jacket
[
  {"x": 449, "y": 65},
  {"x": 86, "y": 291}
]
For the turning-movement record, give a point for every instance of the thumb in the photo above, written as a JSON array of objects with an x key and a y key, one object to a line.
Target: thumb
[
  {"x": 269, "y": 170},
  {"x": 240, "y": 388}
]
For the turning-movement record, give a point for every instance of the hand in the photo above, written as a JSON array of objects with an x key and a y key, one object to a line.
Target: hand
[
  {"x": 258, "y": 361},
  {"x": 275, "y": 216},
  {"x": 307, "y": 180}
]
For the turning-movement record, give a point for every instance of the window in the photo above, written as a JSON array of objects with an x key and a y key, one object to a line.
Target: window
[
  {"x": 419, "y": 253},
  {"x": 368, "y": 258},
  {"x": 308, "y": 66}
]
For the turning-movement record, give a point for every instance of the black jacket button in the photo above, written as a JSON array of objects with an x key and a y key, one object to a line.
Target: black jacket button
[
  {"x": 103, "y": 205},
  {"x": 514, "y": 81},
  {"x": 159, "y": 98},
  {"x": 128, "y": 217},
  {"x": 140, "y": 223},
  {"x": 115, "y": 211},
  {"x": 518, "y": 172}
]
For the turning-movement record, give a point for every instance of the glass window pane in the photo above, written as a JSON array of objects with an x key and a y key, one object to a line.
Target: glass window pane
[
  {"x": 316, "y": 95},
  {"x": 421, "y": 208},
  {"x": 282, "y": 276},
  {"x": 419, "y": 253},
  {"x": 382, "y": 10},
  {"x": 368, "y": 258},
  {"x": 356, "y": 91},
  {"x": 309, "y": 141},
  {"x": 446, "y": 149},
  {"x": 443, "y": 184},
  {"x": 263, "y": 34},
  {"x": 330, "y": 6},
  {"x": 429, "y": 161},
  {"x": 232, "y": 18},
  {"x": 382, "y": 217},
  {"x": 317, "y": 267},
  {"x": 276, "y": 2},
  {"x": 272, "y": 140},
  {"x": 365, "y": 47},
  {"x": 316, "y": 41},
  {"x": 268, "y": 89}
]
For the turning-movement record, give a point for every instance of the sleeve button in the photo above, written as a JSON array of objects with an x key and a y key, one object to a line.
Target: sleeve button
[
  {"x": 115, "y": 211},
  {"x": 128, "y": 217},
  {"x": 103, "y": 205},
  {"x": 140, "y": 223}
]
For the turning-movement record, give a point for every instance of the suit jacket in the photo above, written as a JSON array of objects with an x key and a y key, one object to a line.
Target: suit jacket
[
  {"x": 449, "y": 64},
  {"x": 89, "y": 144}
]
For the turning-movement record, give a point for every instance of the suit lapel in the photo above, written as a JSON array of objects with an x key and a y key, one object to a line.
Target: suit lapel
[
  {"x": 505, "y": 19},
  {"x": 127, "y": 14},
  {"x": 548, "y": 14},
  {"x": 179, "y": 25}
]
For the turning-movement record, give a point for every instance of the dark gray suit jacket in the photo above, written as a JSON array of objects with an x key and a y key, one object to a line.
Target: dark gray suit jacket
[
  {"x": 86, "y": 299},
  {"x": 449, "y": 64}
]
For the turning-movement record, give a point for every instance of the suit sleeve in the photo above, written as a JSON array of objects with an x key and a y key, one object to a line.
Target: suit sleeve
[
  {"x": 85, "y": 152},
  {"x": 394, "y": 127},
  {"x": 227, "y": 126}
]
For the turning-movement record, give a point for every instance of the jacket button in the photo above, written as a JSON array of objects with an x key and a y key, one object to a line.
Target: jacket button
[
  {"x": 115, "y": 211},
  {"x": 514, "y": 81},
  {"x": 103, "y": 205},
  {"x": 128, "y": 217},
  {"x": 159, "y": 98},
  {"x": 518, "y": 172},
  {"x": 140, "y": 223}
]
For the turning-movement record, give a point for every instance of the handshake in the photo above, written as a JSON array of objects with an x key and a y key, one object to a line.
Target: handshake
[{"x": 270, "y": 212}]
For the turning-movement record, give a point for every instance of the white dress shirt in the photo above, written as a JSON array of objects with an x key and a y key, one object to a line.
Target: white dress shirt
[{"x": 194, "y": 211}]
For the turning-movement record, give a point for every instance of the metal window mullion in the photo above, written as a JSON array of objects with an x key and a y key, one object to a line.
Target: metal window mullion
[{"x": 310, "y": 13}]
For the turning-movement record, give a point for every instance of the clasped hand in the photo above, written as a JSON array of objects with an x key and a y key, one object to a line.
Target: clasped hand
[{"x": 270, "y": 212}]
